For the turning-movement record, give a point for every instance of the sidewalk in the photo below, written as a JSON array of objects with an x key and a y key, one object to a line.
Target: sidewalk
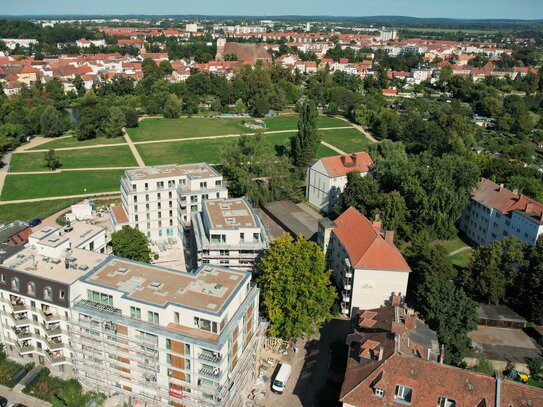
[{"x": 16, "y": 397}]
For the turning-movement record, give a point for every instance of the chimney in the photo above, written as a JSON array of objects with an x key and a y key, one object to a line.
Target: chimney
[
  {"x": 501, "y": 187},
  {"x": 381, "y": 350},
  {"x": 442, "y": 355},
  {"x": 389, "y": 236},
  {"x": 411, "y": 322},
  {"x": 396, "y": 300},
  {"x": 515, "y": 191}
]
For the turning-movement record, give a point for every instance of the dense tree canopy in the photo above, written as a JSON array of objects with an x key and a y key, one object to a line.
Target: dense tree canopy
[
  {"x": 296, "y": 293},
  {"x": 131, "y": 244}
]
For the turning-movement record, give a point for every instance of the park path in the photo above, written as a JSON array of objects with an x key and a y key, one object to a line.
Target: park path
[
  {"x": 4, "y": 169},
  {"x": 462, "y": 249},
  {"x": 38, "y": 141},
  {"x": 133, "y": 148},
  {"x": 54, "y": 198},
  {"x": 337, "y": 150},
  {"x": 58, "y": 171},
  {"x": 134, "y": 143},
  {"x": 360, "y": 129}
]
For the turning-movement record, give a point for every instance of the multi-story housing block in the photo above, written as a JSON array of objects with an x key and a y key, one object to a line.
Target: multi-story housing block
[
  {"x": 228, "y": 232},
  {"x": 366, "y": 265},
  {"x": 150, "y": 334},
  {"x": 159, "y": 200},
  {"x": 35, "y": 286},
  {"x": 494, "y": 212},
  {"x": 327, "y": 178},
  {"x": 165, "y": 337}
]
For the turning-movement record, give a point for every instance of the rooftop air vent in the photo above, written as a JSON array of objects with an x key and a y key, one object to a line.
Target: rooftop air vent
[
  {"x": 122, "y": 270},
  {"x": 154, "y": 284}
]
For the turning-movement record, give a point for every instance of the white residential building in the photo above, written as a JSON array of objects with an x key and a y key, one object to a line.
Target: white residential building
[
  {"x": 366, "y": 265},
  {"x": 152, "y": 335},
  {"x": 327, "y": 178},
  {"x": 494, "y": 212},
  {"x": 388, "y": 35},
  {"x": 160, "y": 200},
  {"x": 85, "y": 43},
  {"x": 228, "y": 232},
  {"x": 12, "y": 43},
  {"x": 35, "y": 288}
]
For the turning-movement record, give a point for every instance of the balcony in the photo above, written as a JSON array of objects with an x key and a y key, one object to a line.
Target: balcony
[
  {"x": 210, "y": 373},
  {"x": 23, "y": 334},
  {"x": 56, "y": 358},
  {"x": 346, "y": 297},
  {"x": 349, "y": 273},
  {"x": 53, "y": 329},
  {"x": 50, "y": 316},
  {"x": 214, "y": 359},
  {"x": 347, "y": 284},
  {"x": 21, "y": 320},
  {"x": 345, "y": 309},
  {"x": 54, "y": 346}
]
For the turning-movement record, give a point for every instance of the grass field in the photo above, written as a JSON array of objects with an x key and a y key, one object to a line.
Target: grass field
[
  {"x": 185, "y": 152},
  {"x": 60, "y": 184},
  {"x": 165, "y": 129},
  {"x": 290, "y": 122},
  {"x": 74, "y": 142},
  {"x": 113, "y": 156},
  {"x": 462, "y": 259},
  {"x": 31, "y": 210},
  {"x": 325, "y": 151},
  {"x": 348, "y": 140}
]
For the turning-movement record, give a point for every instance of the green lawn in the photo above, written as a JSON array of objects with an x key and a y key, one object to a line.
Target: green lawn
[
  {"x": 185, "y": 152},
  {"x": 74, "y": 142},
  {"x": 117, "y": 156},
  {"x": 290, "y": 122},
  {"x": 325, "y": 151},
  {"x": 452, "y": 244},
  {"x": 165, "y": 129},
  {"x": 60, "y": 184},
  {"x": 348, "y": 140},
  {"x": 462, "y": 259},
  {"x": 31, "y": 210}
]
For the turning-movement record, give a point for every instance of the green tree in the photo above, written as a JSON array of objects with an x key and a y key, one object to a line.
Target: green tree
[
  {"x": 190, "y": 105},
  {"x": 51, "y": 122},
  {"x": 492, "y": 272},
  {"x": 166, "y": 67},
  {"x": 79, "y": 86},
  {"x": 131, "y": 244},
  {"x": 172, "y": 107},
  {"x": 52, "y": 160},
  {"x": 115, "y": 122},
  {"x": 484, "y": 366},
  {"x": 88, "y": 124},
  {"x": 295, "y": 287},
  {"x": 306, "y": 142},
  {"x": 240, "y": 107},
  {"x": 260, "y": 106},
  {"x": 529, "y": 286},
  {"x": 130, "y": 116}
]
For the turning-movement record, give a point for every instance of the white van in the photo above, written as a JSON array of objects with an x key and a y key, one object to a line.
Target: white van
[{"x": 281, "y": 378}]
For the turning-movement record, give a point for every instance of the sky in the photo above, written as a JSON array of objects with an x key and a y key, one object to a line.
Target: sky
[{"x": 475, "y": 9}]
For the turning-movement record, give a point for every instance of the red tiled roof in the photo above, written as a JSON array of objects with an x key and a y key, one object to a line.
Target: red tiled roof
[
  {"x": 341, "y": 165},
  {"x": 366, "y": 248},
  {"x": 494, "y": 196}
]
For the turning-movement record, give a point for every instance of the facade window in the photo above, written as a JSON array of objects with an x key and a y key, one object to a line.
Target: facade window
[
  {"x": 15, "y": 284},
  {"x": 176, "y": 317},
  {"x": 62, "y": 295},
  {"x": 135, "y": 199},
  {"x": 98, "y": 297},
  {"x": 171, "y": 184},
  {"x": 256, "y": 237},
  {"x": 203, "y": 185},
  {"x": 378, "y": 392},
  {"x": 445, "y": 402},
  {"x": 218, "y": 183},
  {"x": 48, "y": 294},
  {"x": 3, "y": 278},
  {"x": 242, "y": 237},
  {"x": 135, "y": 312},
  {"x": 146, "y": 186},
  {"x": 152, "y": 317},
  {"x": 31, "y": 288},
  {"x": 134, "y": 188},
  {"x": 205, "y": 325},
  {"x": 160, "y": 185},
  {"x": 403, "y": 393}
]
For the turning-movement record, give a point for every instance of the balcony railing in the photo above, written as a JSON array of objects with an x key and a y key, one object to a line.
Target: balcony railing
[
  {"x": 210, "y": 358},
  {"x": 210, "y": 373}
]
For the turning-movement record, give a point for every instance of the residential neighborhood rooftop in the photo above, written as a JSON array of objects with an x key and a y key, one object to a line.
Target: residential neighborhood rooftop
[
  {"x": 341, "y": 165},
  {"x": 234, "y": 213},
  {"x": 195, "y": 171}
]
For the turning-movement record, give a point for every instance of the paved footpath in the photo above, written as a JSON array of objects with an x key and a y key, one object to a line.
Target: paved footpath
[
  {"x": 4, "y": 168},
  {"x": 337, "y": 150},
  {"x": 17, "y": 397},
  {"x": 54, "y": 198},
  {"x": 361, "y": 130},
  {"x": 462, "y": 249}
]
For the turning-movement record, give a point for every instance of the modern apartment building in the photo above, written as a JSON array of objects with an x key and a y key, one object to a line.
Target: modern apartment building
[
  {"x": 366, "y": 265},
  {"x": 149, "y": 334},
  {"x": 35, "y": 288},
  {"x": 327, "y": 178},
  {"x": 160, "y": 200},
  {"x": 494, "y": 212},
  {"x": 165, "y": 337},
  {"x": 228, "y": 232}
]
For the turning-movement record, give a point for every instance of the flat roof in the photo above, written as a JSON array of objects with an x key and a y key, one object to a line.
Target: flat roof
[
  {"x": 77, "y": 233},
  {"x": 234, "y": 213},
  {"x": 197, "y": 170},
  {"x": 294, "y": 218},
  {"x": 499, "y": 313},
  {"x": 80, "y": 261},
  {"x": 209, "y": 288}
]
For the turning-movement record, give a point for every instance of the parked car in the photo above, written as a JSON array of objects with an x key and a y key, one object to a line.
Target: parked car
[
  {"x": 35, "y": 222},
  {"x": 3, "y": 401}
]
